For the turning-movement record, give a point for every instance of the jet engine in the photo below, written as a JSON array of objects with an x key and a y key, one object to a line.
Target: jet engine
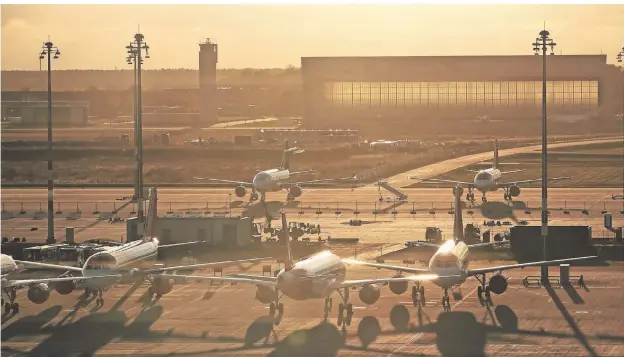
[
  {"x": 38, "y": 293},
  {"x": 458, "y": 190},
  {"x": 240, "y": 191},
  {"x": 369, "y": 294},
  {"x": 398, "y": 287},
  {"x": 265, "y": 295},
  {"x": 64, "y": 287},
  {"x": 162, "y": 285},
  {"x": 514, "y": 191},
  {"x": 498, "y": 284},
  {"x": 295, "y": 191}
]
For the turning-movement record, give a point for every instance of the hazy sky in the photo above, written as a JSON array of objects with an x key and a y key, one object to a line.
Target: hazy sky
[{"x": 260, "y": 36}]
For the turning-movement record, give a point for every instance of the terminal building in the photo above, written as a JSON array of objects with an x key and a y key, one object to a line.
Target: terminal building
[{"x": 462, "y": 87}]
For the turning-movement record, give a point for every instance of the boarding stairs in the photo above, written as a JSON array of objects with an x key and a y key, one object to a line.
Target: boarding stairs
[{"x": 400, "y": 195}]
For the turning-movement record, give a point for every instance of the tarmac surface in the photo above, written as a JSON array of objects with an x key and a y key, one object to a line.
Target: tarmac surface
[
  {"x": 77, "y": 209},
  {"x": 199, "y": 319}
]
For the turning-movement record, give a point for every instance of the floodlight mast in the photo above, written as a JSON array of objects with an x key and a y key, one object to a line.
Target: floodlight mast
[
  {"x": 542, "y": 42},
  {"x": 51, "y": 52},
  {"x": 135, "y": 54}
]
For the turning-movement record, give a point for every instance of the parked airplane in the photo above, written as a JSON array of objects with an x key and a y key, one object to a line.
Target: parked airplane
[
  {"x": 315, "y": 277},
  {"x": 450, "y": 265},
  {"x": 273, "y": 180},
  {"x": 38, "y": 289},
  {"x": 487, "y": 181},
  {"x": 123, "y": 263}
]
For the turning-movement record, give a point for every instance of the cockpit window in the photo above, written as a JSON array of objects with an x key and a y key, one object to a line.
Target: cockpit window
[
  {"x": 446, "y": 261},
  {"x": 263, "y": 177},
  {"x": 483, "y": 176},
  {"x": 103, "y": 262}
]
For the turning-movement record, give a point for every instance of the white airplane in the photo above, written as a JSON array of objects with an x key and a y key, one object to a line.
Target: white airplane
[
  {"x": 315, "y": 277},
  {"x": 273, "y": 180},
  {"x": 123, "y": 263},
  {"x": 38, "y": 289},
  {"x": 450, "y": 265},
  {"x": 487, "y": 181},
  {"x": 384, "y": 144}
]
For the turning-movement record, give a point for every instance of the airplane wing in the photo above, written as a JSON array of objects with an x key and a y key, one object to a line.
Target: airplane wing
[
  {"x": 254, "y": 280},
  {"x": 265, "y": 278},
  {"x": 15, "y": 283},
  {"x": 478, "y": 245},
  {"x": 388, "y": 267},
  {"x": 224, "y": 181},
  {"x": 473, "y": 272},
  {"x": 514, "y": 183},
  {"x": 178, "y": 244},
  {"x": 512, "y": 171},
  {"x": 28, "y": 264},
  {"x": 204, "y": 265},
  {"x": 302, "y": 172},
  {"x": 425, "y": 244},
  {"x": 349, "y": 283},
  {"x": 432, "y": 180},
  {"x": 321, "y": 180}
]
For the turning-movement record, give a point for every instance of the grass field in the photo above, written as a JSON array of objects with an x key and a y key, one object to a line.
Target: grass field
[
  {"x": 81, "y": 159},
  {"x": 598, "y": 165}
]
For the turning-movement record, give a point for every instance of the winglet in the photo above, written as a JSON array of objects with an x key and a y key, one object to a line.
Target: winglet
[
  {"x": 458, "y": 224},
  {"x": 289, "y": 260},
  {"x": 285, "y": 157},
  {"x": 495, "y": 160}
]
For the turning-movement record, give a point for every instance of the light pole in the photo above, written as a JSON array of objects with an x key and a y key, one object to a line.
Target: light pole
[
  {"x": 619, "y": 60},
  {"x": 131, "y": 59},
  {"x": 50, "y": 51},
  {"x": 543, "y": 42},
  {"x": 135, "y": 51}
]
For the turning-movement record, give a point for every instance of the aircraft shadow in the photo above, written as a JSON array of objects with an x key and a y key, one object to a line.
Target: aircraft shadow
[{"x": 32, "y": 324}]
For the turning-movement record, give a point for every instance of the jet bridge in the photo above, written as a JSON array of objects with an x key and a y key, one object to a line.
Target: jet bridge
[{"x": 400, "y": 195}]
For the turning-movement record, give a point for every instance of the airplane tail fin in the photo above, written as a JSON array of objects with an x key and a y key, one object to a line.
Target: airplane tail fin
[
  {"x": 289, "y": 260},
  {"x": 289, "y": 151},
  {"x": 286, "y": 157},
  {"x": 495, "y": 160},
  {"x": 458, "y": 224}
]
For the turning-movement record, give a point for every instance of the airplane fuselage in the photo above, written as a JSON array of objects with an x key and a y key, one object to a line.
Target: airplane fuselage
[
  {"x": 313, "y": 278},
  {"x": 487, "y": 180},
  {"x": 7, "y": 265},
  {"x": 133, "y": 254},
  {"x": 270, "y": 180},
  {"x": 451, "y": 260}
]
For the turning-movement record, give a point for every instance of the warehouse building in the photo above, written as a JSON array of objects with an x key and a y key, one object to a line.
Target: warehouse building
[
  {"x": 501, "y": 87},
  {"x": 35, "y": 113},
  {"x": 223, "y": 232}
]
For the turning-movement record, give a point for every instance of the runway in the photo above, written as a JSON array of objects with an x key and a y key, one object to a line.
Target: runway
[
  {"x": 385, "y": 226},
  {"x": 199, "y": 319}
]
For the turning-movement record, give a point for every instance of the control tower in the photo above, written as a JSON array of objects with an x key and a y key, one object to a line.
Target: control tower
[{"x": 208, "y": 107}]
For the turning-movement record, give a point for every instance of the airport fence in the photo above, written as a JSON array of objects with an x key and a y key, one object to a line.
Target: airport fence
[{"x": 392, "y": 207}]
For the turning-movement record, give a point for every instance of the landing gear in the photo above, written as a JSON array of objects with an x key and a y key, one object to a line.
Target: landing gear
[
  {"x": 329, "y": 303},
  {"x": 253, "y": 197},
  {"x": 345, "y": 306},
  {"x": 100, "y": 298},
  {"x": 470, "y": 196},
  {"x": 507, "y": 195},
  {"x": 446, "y": 302},
  {"x": 11, "y": 304},
  {"x": 276, "y": 307},
  {"x": 418, "y": 295},
  {"x": 484, "y": 199},
  {"x": 483, "y": 292}
]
